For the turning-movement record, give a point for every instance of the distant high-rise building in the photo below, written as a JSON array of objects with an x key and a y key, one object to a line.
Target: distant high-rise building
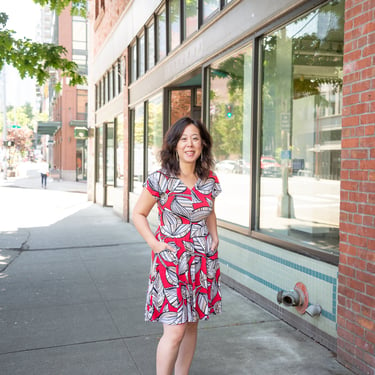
[{"x": 67, "y": 108}]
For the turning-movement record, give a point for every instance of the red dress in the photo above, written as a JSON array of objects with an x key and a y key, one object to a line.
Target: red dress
[{"x": 184, "y": 286}]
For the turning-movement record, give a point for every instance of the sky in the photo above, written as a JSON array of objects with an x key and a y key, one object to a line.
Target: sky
[{"x": 24, "y": 15}]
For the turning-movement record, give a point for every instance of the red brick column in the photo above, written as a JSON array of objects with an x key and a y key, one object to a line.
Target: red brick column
[{"x": 356, "y": 289}]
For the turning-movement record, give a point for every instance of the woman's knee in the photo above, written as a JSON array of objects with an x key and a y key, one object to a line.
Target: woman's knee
[{"x": 175, "y": 333}]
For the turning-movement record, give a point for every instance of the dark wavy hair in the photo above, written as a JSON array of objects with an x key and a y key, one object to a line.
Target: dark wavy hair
[{"x": 168, "y": 155}]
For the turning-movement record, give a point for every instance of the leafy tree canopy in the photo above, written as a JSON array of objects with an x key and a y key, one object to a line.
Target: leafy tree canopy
[
  {"x": 78, "y": 7},
  {"x": 36, "y": 60}
]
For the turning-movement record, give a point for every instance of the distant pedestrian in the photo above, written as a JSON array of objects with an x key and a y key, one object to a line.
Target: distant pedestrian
[
  {"x": 44, "y": 172},
  {"x": 184, "y": 283}
]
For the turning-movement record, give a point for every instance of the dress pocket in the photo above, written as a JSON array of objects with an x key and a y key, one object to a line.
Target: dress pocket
[{"x": 168, "y": 256}]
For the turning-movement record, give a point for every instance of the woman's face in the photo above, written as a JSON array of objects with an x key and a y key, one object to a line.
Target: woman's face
[{"x": 189, "y": 146}]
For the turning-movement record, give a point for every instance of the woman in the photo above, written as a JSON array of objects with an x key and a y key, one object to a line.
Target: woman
[{"x": 184, "y": 284}]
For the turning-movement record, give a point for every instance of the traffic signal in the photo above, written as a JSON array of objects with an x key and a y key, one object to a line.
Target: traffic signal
[{"x": 229, "y": 110}]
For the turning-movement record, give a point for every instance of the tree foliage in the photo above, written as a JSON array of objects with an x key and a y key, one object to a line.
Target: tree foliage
[
  {"x": 22, "y": 115},
  {"x": 78, "y": 7},
  {"x": 38, "y": 60}
]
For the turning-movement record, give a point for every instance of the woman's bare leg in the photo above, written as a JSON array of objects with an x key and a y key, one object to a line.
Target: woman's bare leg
[
  {"x": 168, "y": 348},
  {"x": 187, "y": 349}
]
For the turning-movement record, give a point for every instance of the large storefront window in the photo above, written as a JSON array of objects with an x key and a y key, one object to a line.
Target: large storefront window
[
  {"x": 154, "y": 132},
  {"x": 230, "y": 119},
  {"x": 120, "y": 169},
  {"x": 301, "y": 129},
  {"x": 138, "y": 149}
]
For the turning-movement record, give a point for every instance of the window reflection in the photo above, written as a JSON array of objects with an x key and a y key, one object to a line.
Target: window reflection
[
  {"x": 174, "y": 24},
  {"x": 141, "y": 49},
  {"x": 230, "y": 111},
  {"x": 154, "y": 132},
  {"x": 191, "y": 17},
  {"x": 301, "y": 129},
  {"x": 210, "y": 7},
  {"x": 133, "y": 68},
  {"x": 138, "y": 149},
  {"x": 120, "y": 167},
  {"x": 150, "y": 46},
  {"x": 110, "y": 158},
  {"x": 99, "y": 154},
  {"x": 161, "y": 35}
]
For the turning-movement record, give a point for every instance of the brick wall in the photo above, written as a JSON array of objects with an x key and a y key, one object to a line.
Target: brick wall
[
  {"x": 356, "y": 292},
  {"x": 104, "y": 19},
  {"x": 180, "y": 104}
]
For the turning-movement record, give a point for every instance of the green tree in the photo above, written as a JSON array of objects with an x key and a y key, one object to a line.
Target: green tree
[
  {"x": 22, "y": 115},
  {"x": 35, "y": 60}
]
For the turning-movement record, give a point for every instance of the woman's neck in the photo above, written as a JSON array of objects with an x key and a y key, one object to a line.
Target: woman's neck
[{"x": 187, "y": 170}]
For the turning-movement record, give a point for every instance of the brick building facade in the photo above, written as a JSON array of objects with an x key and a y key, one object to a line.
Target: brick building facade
[{"x": 356, "y": 302}]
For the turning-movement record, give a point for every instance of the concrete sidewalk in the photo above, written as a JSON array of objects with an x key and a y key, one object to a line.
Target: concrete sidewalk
[
  {"x": 72, "y": 297},
  {"x": 28, "y": 176}
]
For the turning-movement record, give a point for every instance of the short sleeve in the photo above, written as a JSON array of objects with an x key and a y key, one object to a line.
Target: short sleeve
[
  {"x": 216, "y": 188},
  {"x": 153, "y": 184}
]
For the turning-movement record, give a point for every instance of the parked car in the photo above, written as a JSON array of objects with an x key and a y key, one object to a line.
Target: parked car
[
  {"x": 270, "y": 167},
  {"x": 227, "y": 166}
]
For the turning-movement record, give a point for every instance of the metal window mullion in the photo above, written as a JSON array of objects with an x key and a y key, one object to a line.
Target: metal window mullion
[
  {"x": 167, "y": 26},
  {"x": 255, "y": 124},
  {"x": 145, "y": 140},
  {"x": 200, "y": 13},
  {"x": 182, "y": 21}
]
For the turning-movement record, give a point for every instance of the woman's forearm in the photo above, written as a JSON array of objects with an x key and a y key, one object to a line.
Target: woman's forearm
[
  {"x": 212, "y": 229},
  {"x": 143, "y": 227}
]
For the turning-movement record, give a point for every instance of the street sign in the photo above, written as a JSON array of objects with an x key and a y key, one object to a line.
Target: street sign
[{"x": 80, "y": 133}]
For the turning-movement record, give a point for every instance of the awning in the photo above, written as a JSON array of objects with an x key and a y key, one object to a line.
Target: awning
[{"x": 48, "y": 127}]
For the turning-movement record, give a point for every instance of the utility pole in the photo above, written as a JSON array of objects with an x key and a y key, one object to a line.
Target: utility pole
[{"x": 4, "y": 153}]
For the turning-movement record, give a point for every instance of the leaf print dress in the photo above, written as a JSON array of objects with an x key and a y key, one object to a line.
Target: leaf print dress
[{"x": 184, "y": 286}]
